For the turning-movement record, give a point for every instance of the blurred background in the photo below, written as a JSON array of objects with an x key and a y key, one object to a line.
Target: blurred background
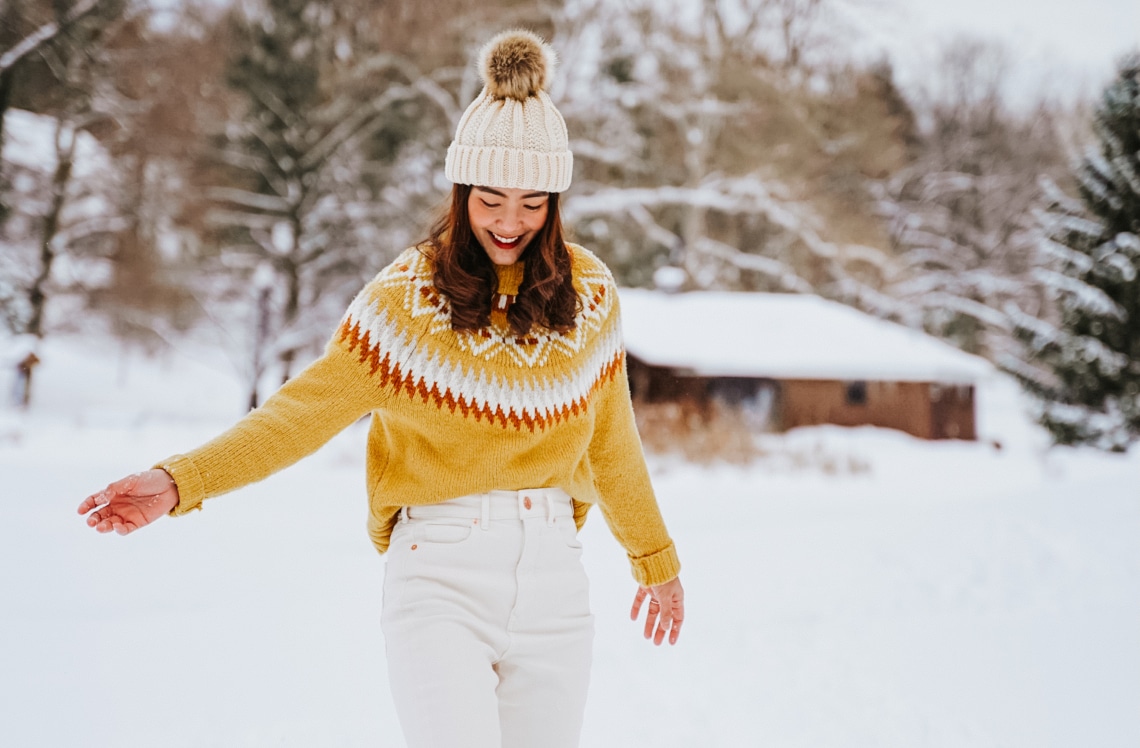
[
  {"x": 239, "y": 170},
  {"x": 878, "y": 261}
]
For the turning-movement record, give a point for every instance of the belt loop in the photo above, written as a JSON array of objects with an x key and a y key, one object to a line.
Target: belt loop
[
  {"x": 549, "y": 508},
  {"x": 403, "y": 514},
  {"x": 485, "y": 509}
]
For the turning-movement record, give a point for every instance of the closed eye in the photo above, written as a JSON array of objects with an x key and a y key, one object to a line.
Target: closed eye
[
  {"x": 489, "y": 205},
  {"x": 533, "y": 207}
]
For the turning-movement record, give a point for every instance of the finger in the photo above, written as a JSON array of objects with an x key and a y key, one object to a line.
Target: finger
[
  {"x": 98, "y": 516},
  {"x": 651, "y": 618},
  {"x": 94, "y": 500},
  {"x": 638, "y": 599},
  {"x": 663, "y": 626},
  {"x": 105, "y": 519},
  {"x": 676, "y": 631},
  {"x": 122, "y": 487}
]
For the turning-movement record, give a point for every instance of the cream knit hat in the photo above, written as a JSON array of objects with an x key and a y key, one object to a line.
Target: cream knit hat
[{"x": 512, "y": 135}]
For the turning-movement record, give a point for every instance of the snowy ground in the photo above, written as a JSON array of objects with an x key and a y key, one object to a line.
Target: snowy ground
[{"x": 859, "y": 588}]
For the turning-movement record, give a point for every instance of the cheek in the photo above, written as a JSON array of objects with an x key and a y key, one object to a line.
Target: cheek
[
  {"x": 477, "y": 213},
  {"x": 537, "y": 219},
  {"x": 474, "y": 215}
]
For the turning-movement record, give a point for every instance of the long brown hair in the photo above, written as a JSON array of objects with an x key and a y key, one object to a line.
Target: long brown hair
[{"x": 465, "y": 275}]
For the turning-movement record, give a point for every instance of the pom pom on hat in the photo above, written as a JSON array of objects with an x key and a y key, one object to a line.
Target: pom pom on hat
[{"x": 516, "y": 65}]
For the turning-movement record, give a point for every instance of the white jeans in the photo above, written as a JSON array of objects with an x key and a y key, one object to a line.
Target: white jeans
[{"x": 487, "y": 622}]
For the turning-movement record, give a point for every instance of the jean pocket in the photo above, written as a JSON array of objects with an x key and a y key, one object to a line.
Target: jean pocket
[
  {"x": 443, "y": 531},
  {"x": 568, "y": 531}
]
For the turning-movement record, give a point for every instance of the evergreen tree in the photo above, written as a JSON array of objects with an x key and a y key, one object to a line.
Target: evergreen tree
[
  {"x": 312, "y": 122},
  {"x": 1090, "y": 361}
]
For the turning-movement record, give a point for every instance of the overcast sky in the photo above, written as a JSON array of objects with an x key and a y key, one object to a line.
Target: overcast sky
[{"x": 1069, "y": 44}]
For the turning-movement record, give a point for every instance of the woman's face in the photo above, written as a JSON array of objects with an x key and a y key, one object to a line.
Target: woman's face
[{"x": 505, "y": 220}]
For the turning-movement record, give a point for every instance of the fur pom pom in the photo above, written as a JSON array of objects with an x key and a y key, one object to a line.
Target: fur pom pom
[{"x": 516, "y": 64}]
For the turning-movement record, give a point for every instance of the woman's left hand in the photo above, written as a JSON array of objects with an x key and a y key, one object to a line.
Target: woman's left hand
[{"x": 666, "y": 610}]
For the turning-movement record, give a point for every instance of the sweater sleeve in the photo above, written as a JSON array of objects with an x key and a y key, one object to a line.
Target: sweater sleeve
[
  {"x": 622, "y": 479},
  {"x": 295, "y": 421}
]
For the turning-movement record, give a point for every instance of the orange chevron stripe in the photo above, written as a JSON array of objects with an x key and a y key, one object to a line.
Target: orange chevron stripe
[{"x": 391, "y": 376}]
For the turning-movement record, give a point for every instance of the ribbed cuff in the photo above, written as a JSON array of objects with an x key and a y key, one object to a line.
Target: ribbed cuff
[
  {"x": 656, "y": 568},
  {"x": 511, "y": 168},
  {"x": 191, "y": 487}
]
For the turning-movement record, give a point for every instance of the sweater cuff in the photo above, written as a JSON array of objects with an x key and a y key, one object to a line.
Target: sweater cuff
[
  {"x": 191, "y": 487},
  {"x": 656, "y": 568}
]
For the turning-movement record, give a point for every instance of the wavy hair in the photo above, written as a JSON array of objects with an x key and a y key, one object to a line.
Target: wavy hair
[{"x": 465, "y": 275}]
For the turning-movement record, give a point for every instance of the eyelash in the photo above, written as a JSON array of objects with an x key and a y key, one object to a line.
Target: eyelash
[{"x": 531, "y": 208}]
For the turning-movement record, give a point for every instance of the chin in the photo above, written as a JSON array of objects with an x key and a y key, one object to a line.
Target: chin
[{"x": 501, "y": 256}]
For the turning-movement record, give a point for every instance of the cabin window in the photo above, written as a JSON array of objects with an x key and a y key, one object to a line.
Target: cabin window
[{"x": 856, "y": 393}]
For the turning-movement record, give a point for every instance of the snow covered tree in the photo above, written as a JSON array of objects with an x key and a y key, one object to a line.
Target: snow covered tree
[
  {"x": 960, "y": 214},
  {"x": 59, "y": 182},
  {"x": 698, "y": 149},
  {"x": 52, "y": 217},
  {"x": 298, "y": 180},
  {"x": 25, "y": 27},
  {"x": 1086, "y": 368}
]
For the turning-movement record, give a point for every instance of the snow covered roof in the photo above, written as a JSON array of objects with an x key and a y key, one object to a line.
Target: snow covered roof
[{"x": 785, "y": 336}]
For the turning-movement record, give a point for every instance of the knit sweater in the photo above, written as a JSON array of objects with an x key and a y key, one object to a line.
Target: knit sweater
[{"x": 457, "y": 413}]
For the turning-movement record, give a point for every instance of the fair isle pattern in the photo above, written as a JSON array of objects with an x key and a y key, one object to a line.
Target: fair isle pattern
[
  {"x": 419, "y": 365},
  {"x": 410, "y": 279}
]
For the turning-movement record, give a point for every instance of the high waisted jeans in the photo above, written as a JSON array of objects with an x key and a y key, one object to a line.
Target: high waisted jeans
[{"x": 487, "y": 622}]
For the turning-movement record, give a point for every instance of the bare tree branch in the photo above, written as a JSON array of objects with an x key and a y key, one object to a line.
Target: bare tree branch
[{"x": 45, "y": 33}]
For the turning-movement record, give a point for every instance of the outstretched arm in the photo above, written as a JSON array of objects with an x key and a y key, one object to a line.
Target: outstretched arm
[{"x": 308, "y": 410}]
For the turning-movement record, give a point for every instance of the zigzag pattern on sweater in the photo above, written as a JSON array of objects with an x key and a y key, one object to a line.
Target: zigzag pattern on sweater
[{"x": 431, "y": 366}]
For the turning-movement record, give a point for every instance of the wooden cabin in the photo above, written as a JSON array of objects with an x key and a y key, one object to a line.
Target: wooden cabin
[{"x": 789, "y": 360}]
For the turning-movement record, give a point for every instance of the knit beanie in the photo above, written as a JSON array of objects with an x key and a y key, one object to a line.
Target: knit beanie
[{"x": 512, "y": 136}]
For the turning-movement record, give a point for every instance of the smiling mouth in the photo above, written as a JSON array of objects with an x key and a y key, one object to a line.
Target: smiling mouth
[{"x": 503, "y": 242}]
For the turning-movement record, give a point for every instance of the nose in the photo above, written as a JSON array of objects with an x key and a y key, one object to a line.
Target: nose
[{"x": 512, "y": 219}]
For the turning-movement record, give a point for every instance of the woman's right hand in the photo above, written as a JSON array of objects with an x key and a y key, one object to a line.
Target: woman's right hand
[{"x": 131, "y": 503}]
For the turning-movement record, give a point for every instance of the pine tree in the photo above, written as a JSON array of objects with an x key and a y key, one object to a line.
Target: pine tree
[
  {"x": 1091, "y": 359},
  {"x": 293, "y": 178}
]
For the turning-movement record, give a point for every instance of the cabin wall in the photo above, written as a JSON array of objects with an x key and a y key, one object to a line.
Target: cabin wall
[
  {"x": 896, "y": 405},
  {"x": 923, "y": 409},
  {"x": 952, "y": 412}
]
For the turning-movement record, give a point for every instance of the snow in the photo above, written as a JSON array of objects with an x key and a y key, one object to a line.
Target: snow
[
  {"x": 29, "y": 142},
  {"x": 798, "y": 336},
  {"x": 853, "y": 588},
  {"x": 29, "y": 139}
]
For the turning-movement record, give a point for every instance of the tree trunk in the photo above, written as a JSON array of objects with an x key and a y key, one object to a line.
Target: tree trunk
[
  {"x": 292, "y": 300},
  {"x": 5, "y": 101},
  {"x": 261, "y": 339},
  {"x": 292, "y": 306},
  {"x": 65, "y": 137}
]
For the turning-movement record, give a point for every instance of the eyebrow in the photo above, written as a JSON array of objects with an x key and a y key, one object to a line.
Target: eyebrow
[{"x": 527, "y": 196}]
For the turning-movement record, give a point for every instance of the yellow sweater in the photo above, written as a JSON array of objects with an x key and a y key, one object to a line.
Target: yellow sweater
[{"x": 459, "y": 413}]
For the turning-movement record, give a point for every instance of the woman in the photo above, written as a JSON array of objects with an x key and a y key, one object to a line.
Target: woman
[{"x": 490, "y": 359}]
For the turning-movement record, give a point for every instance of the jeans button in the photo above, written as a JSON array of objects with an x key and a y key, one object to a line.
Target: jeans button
[{"x": 526, "y": 502}]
